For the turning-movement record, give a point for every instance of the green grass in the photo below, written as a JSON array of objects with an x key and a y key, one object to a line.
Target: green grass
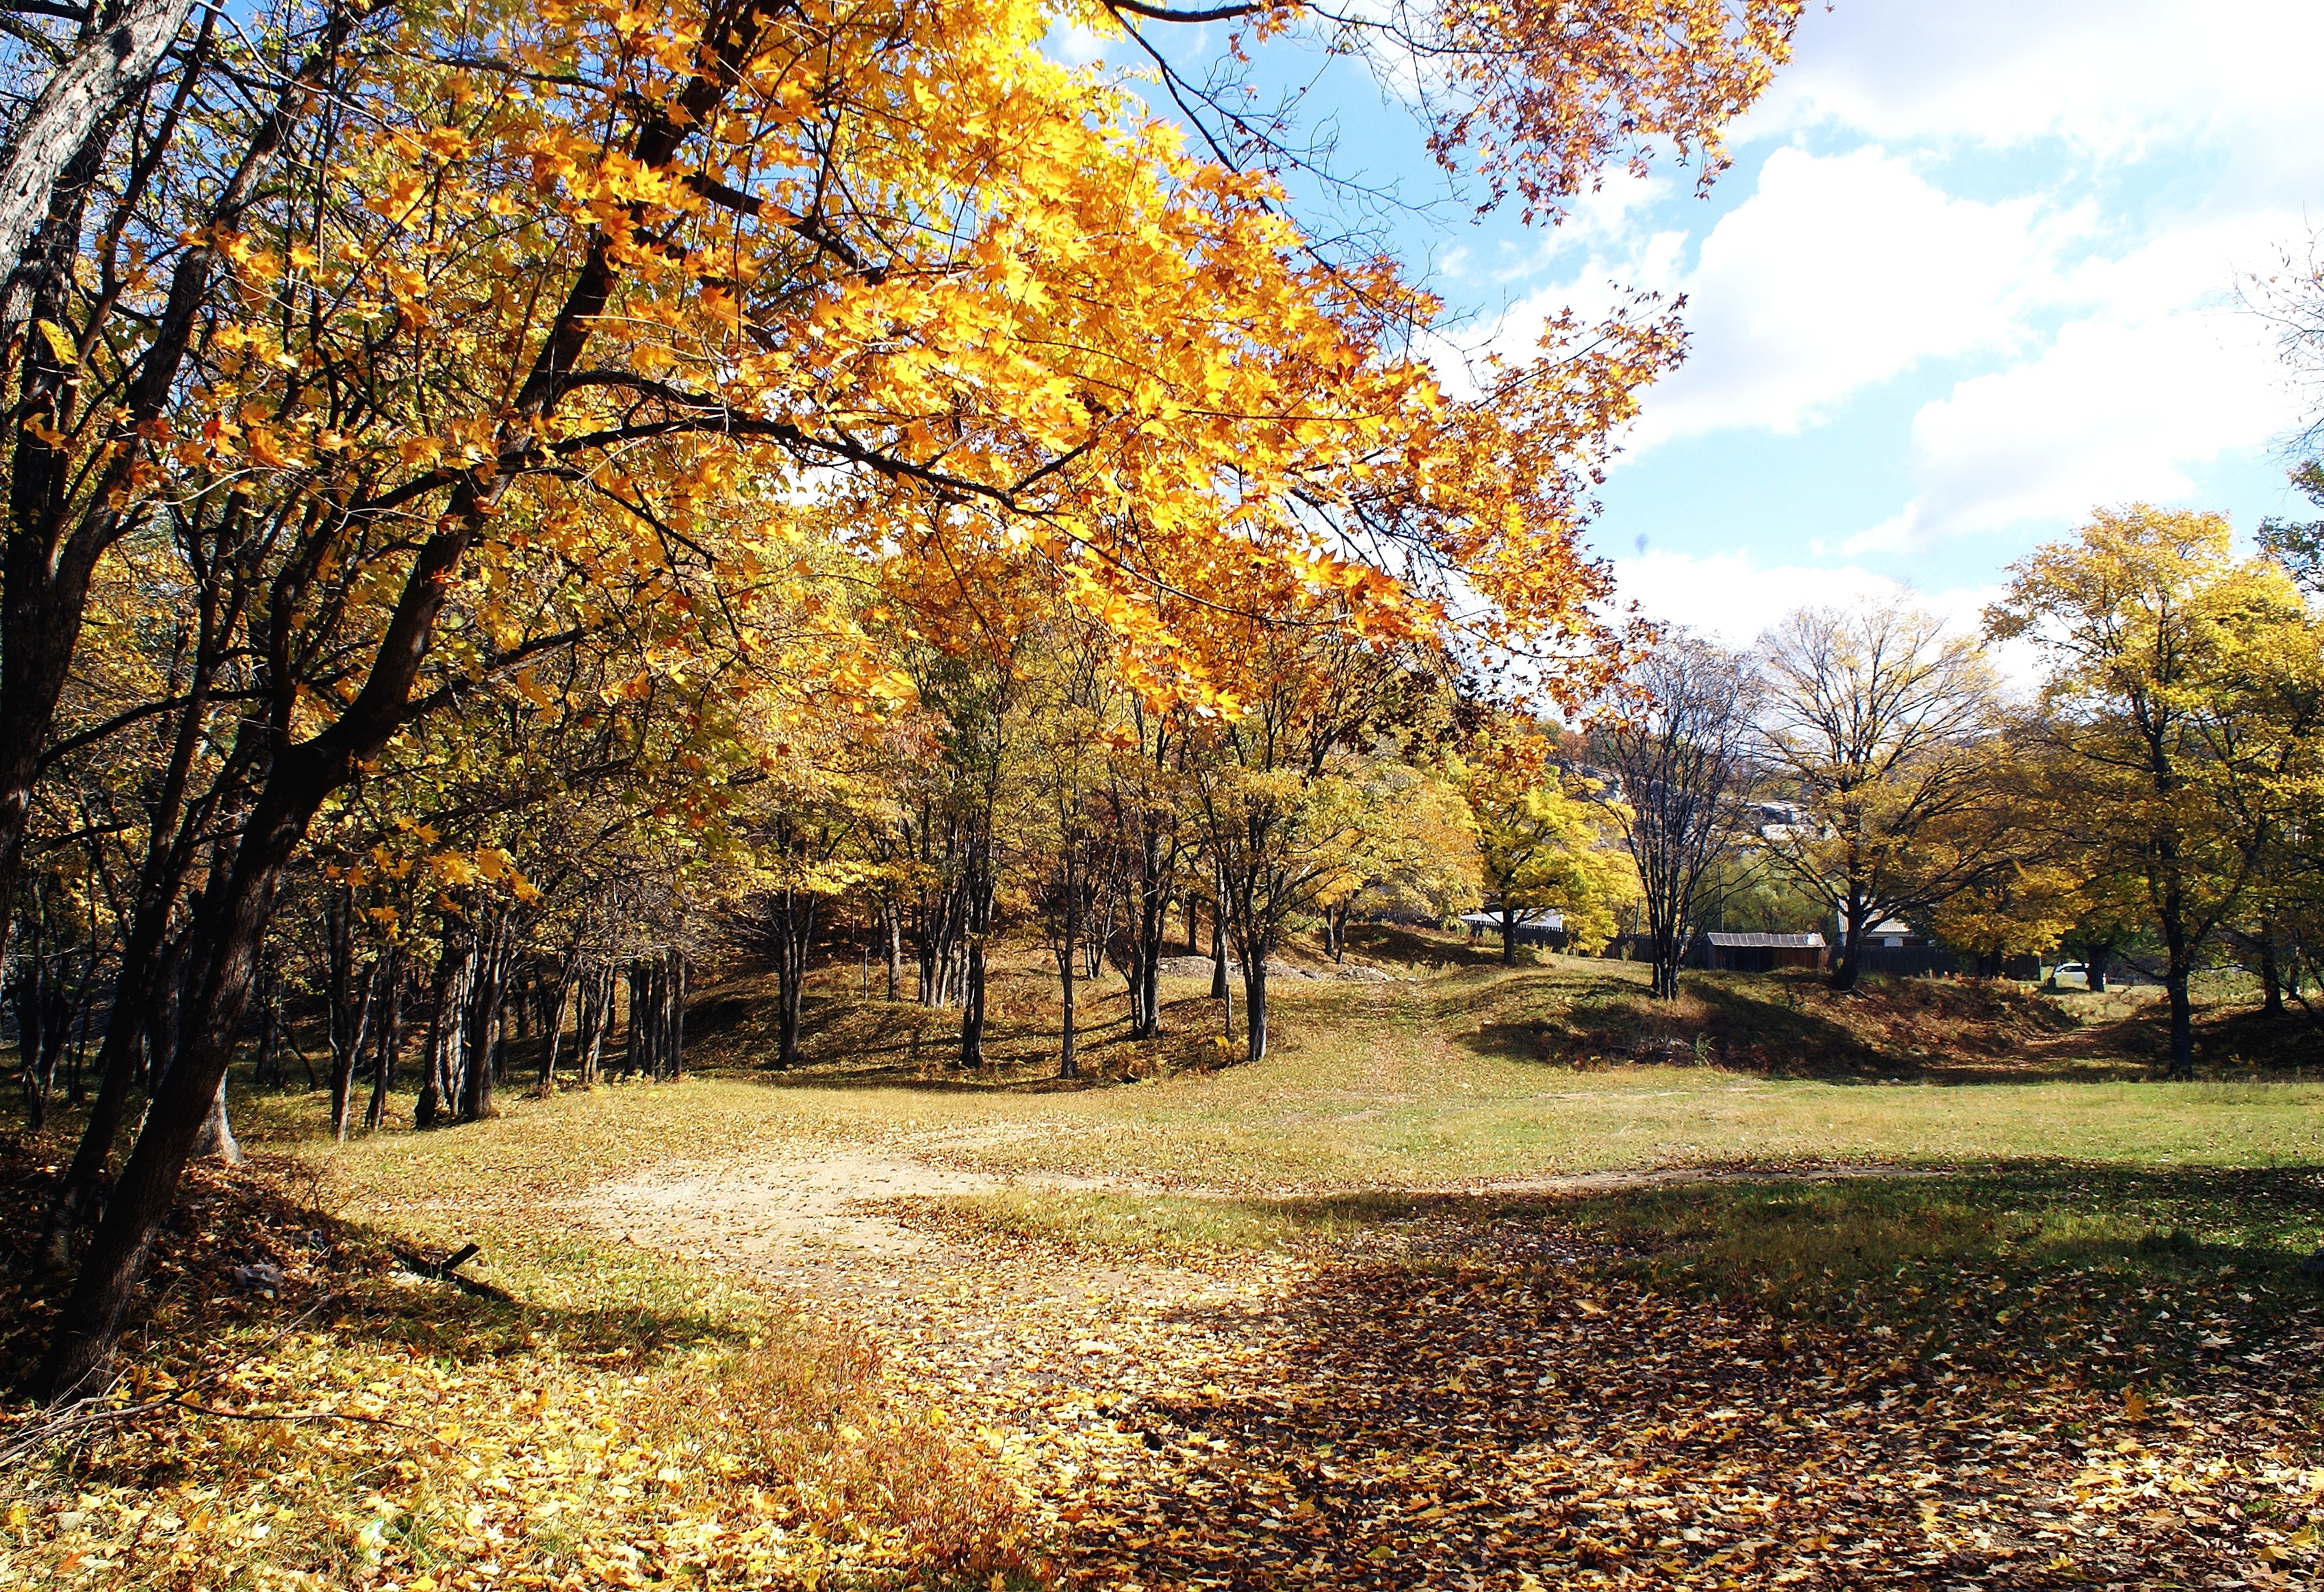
[
  {"x": 2117, "y": 1277},
  {"x": 1434, "y": 1083},
  {"x": 2086, "y": 1228}
]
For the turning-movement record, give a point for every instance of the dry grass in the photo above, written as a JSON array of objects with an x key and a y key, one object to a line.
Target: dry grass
[
  {"x": 628, "y": 1415},
  {"x": 301, "y": 1412}
]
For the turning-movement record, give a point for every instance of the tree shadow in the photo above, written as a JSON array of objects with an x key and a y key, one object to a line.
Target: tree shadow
[
  {"x": 1792, "y": 1025},
  {"x": 1420, "y": 948},
  {"x": 1536, "y": 1385},
  {"x": 1615, "y": 1021},
  {"x": 243, "y": 1260},
  {"x": 853, "y": 1045}
]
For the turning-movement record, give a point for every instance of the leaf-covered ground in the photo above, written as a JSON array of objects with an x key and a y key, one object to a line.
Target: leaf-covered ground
[
  {"x": 2026, "y": 1382},
  {"x": 877, "y": 1325}
]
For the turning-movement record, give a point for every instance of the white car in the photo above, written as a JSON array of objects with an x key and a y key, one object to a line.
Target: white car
[{"x": 2069, "y": 975}]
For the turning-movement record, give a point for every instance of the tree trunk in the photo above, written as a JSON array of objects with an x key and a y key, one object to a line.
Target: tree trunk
[
  {"x": 389, "y": 974},
  {"x": 596, "y": 1018},
  {"x": 552, "y": 1022},
  {"x": 444, "y": 1066},
  {"x": 1068, "y": 1064},
  {"x": 117, "y": 1062},
  {"x": 215, "y": 1138},
  {"x": 633, "y": 1050},
  {"x": 1669, "y": 951},
  {"x": 793, "y": 935},
  {"x": 1218, "y": 951},
  {"x": 892, "y": 915},
  {"x": 268, "y": 1072},
  {"x": 487, "y": 998},
  {"x": 971, "y": 1007},
  {"x": 87, "y": 92},
  {"x": 1254, "y": 1005},
  {"x": 1509, "y": 935},
  {"x": 1149, "y": 996},
  {"x": 979, "y": 924},
  {"x": 2177, "y": 969},
  {"x": 1851, "y": 961},
  {"x": 160, "y": 881}
]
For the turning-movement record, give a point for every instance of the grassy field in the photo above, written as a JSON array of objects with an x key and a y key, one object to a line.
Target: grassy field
[
  {"x": 2028, "y": 1244},
  {"x": 1470, "y": 1072}
]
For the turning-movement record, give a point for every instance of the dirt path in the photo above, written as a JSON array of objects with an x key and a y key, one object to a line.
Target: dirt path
[
  {"x": 1460, "y": 1400},
  {"x": 815, "y": 1224}
]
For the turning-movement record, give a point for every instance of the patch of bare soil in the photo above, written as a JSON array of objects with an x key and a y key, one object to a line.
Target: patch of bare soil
[{"x": 1472, "y": 1400}]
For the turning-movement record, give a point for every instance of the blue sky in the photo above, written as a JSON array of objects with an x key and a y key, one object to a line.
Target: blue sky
[{"x": 1972, "y": 273}]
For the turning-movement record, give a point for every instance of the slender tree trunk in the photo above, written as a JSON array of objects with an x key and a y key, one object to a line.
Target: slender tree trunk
[
  {"x": 1149, "y": 998},
  {"x": 892, "y": 918},
  {"x": 444, "y": 1068},
  {"x": 2271, "y": 972},
  {"x": 2177, "y": 967},
  {"x": 1218, "y": 949},
  {"x": 971, "y": 1007},
  {"x": 552, "y": 1026},
  {"x": 794, "y": 915},
  {"x": 1509, "y": 934},
  {"x": 268, "y": 1072},
  {"x": 979, "y": 924},
  {"x": 1254, "y": 1004},
  {"x": 389, "y": 975},
  {"x": 215, "y": 1138},
  {"x": 597, "y": 1015},
  {"x": 1068, "y": 1064},
  {"x": 116, "y": 1064},
  {"x": 1850, "y": 962},
  {"x": 487, "y": 997}
]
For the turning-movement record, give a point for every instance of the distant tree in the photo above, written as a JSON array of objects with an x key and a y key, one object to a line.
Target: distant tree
[
  {"x": 1070, "y": 707},
  {"x": 1277, "y": 789},
  {"x": 1545, "y": 841},
  {"x": 1752, "y": 896},
  {"x": 1415, "y": 854},
  {"x": 1877, "y": 722},
  {"x": 2299, "y": 545},
  {"x": 2023, "y": 906},
  {"x": 2159, "y": 644},
  {"x": 1677, "y": 738}
]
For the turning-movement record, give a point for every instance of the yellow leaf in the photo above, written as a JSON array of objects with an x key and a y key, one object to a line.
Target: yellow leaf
[{"x": 59, "y": 343}]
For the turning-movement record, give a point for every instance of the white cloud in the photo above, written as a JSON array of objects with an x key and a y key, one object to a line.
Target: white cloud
[
  {"x": 1076, "y": 44},
  {"x": 1729, "y": 599},
  {"x": 1840, "y": 273},
  {"x": 2112, "y": 411},
  {"x": 2115, "y": 80},
  {"x": 1727, "y": 596},
  {"x": 2040, "y": 222}
]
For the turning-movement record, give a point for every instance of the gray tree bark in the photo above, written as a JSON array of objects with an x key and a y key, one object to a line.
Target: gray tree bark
[{"x": 86, "y": 91}]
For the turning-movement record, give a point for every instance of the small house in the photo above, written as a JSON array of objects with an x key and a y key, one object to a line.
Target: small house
[
  {"x": 1536, "y": 926},
  {"x": 1765, "y": 954}
]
